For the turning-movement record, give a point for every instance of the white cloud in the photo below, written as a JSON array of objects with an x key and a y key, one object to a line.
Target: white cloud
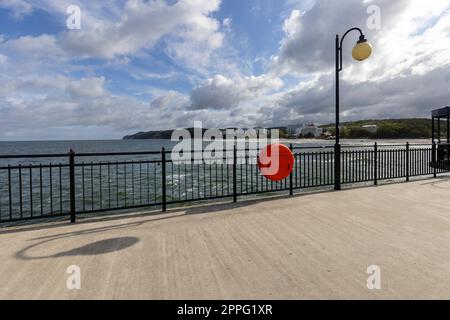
[
  {"x": 19, "y": 8},
  {"x": 33, "y": 49},
  {"x": 88, "y": 88},
  {"x": 142, "y": 24},
  {"x": 396, "y": 81},
  {"x": 227, "y": 22},
  {"x": 3, "y": 59},
  {"x": 224, "y": 93},
  {"x": 40, "y": 86}
]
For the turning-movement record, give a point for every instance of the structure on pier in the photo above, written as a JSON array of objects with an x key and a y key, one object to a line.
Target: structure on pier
[{"x": 441, "y": 140}]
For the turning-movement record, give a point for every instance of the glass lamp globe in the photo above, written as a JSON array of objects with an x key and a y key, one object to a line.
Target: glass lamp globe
[{"x": 362, "y": 50}]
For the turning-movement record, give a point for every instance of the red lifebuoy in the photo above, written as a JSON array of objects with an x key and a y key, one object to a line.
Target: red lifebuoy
[{"x": 276, "y": 162}]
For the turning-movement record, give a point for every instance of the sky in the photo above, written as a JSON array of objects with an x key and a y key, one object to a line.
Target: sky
[{"x": 142, "y": 65}]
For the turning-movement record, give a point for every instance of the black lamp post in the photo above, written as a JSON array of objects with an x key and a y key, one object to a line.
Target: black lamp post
[{"x": 361, "y": 51}]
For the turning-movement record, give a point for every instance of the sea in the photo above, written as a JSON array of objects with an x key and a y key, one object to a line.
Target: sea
[{"x": 108, "y": 146}]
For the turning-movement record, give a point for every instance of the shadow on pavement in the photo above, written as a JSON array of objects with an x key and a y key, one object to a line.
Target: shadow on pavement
[{"x": 94, "y": 248}]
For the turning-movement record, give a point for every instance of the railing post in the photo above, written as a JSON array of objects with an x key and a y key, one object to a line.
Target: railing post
[
  {"x": 337, "y": 166},
  {"x": 72, "y": 185},
  {"x": 375, "y": 164},
  {"x": 291, "y": 182},
  {"x": 434, "y": 159},
  {"x": 235, "y": 174},
  {"x": 407, "y": 162},
  {"x": 163, "y": 182}
]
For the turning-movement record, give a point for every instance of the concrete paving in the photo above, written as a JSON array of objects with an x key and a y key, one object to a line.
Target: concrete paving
[{"x": 305, "y": 247}]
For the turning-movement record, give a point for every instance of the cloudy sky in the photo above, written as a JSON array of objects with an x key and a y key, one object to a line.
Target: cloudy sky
[{"x": 143, "y": 65}]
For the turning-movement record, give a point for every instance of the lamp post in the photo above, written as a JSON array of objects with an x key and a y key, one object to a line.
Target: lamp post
[{"x": 361, "y": 51}]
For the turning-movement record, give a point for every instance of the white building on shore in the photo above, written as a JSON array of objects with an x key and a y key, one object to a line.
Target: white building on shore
[
  {"x": 295, "y": 130},
  {"x": 372, "y": 128},
  {"x": 312, "y": 130}
]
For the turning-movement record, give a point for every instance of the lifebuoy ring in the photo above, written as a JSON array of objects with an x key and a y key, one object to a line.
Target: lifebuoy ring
[{"x": 276, "y": 162}]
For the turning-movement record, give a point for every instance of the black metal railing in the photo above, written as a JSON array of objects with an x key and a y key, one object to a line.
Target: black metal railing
[{"x": 71, "y": 184}]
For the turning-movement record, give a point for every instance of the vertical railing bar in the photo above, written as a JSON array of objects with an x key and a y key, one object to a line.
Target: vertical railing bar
[
  {"x": 117, "y": 185},
  {"x": 20, "y": 192},
  {"x": 60, "y": 189},
  {"x": 40, "y": 189},
  {"x": 10, "y": 192},
  {"x": 72, "y": 185},
  {"x": 83, "y": 191},
  {"x": 234, "y": 174},
  {"x": 434, "y": 160},
  {"x": 375, "y": 164},
  {"x": 163, "y": 176},
  {"x": 308, "y": 182},
  {"x": 218, "y": 182},
  {"x": 194, "y": 179},
  {"x": 125, "y": 186},
  {"x": 109, "y": 185},
  {"x": 198, "y": 182},
  {"x": 100, "y": 181},
  {"x": 364, "y": 168},
  {"x": 204, "y": 178},
  {"x": 407, "y": 161},
  {"x": 148, "y": 182},
  {"x": 222, "y": 176},
  {"x": 354, "y": 167},
  {"x": 179, "y": 182},
  {"x": 140, "y": 182},
  {"x": 305, "y": 173},
  {"x": 319, "y": 155},
  {"x": 185, "y": 182},
  {"x": 392, "y": 163},
  {"x": 291, "y": 176},
  {"x": 92, "y": 186},
  {"x": 132, "y": 182},
  {"x": 31, "y": 190},
  {"x": 241, "y": 178},
  {"x": 154, "y": 183},
  {"x": 316, "y": 166},
  {"x": 51, "y": 187}
]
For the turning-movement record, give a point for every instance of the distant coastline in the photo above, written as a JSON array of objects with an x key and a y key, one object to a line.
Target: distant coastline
[{"x": 416, "y": 128}]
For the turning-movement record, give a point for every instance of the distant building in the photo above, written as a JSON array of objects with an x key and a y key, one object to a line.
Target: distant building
[
  {"x": 372, "y": 128},
  {"x": 295, "y": 130},
  {"x": 312, "y": 131}
]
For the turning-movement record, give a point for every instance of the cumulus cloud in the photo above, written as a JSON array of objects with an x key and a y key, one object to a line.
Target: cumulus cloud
[
  {"x": 224, "y": 93},
  {"x": 142, "y": 24},
  {"x": 18, "y": 8},
  {"x": 86, "y": 102},
  {"x": 88, "y": 88},
  {"x": 34, "y": 48},
  {"x": 51, "y": 79},
  {"x": 403, "y": 78},
  {"x": 308, "y": 44}
]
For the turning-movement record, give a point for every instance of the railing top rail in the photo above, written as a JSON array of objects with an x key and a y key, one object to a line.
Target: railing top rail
[
  {"x": 387, "y": 145},
  {"x": 28, "y": 156},
  {"x": 143, "y": 153}
]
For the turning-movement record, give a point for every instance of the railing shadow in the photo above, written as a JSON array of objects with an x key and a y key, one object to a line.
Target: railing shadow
[
  {"x": 153, "y": 216},
  {"x": 174, "y": 213},
  {"x": 437, "y": 184}
]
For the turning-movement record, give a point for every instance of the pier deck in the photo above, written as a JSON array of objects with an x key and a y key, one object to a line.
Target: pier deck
[{"x": 310, "y": 246}]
